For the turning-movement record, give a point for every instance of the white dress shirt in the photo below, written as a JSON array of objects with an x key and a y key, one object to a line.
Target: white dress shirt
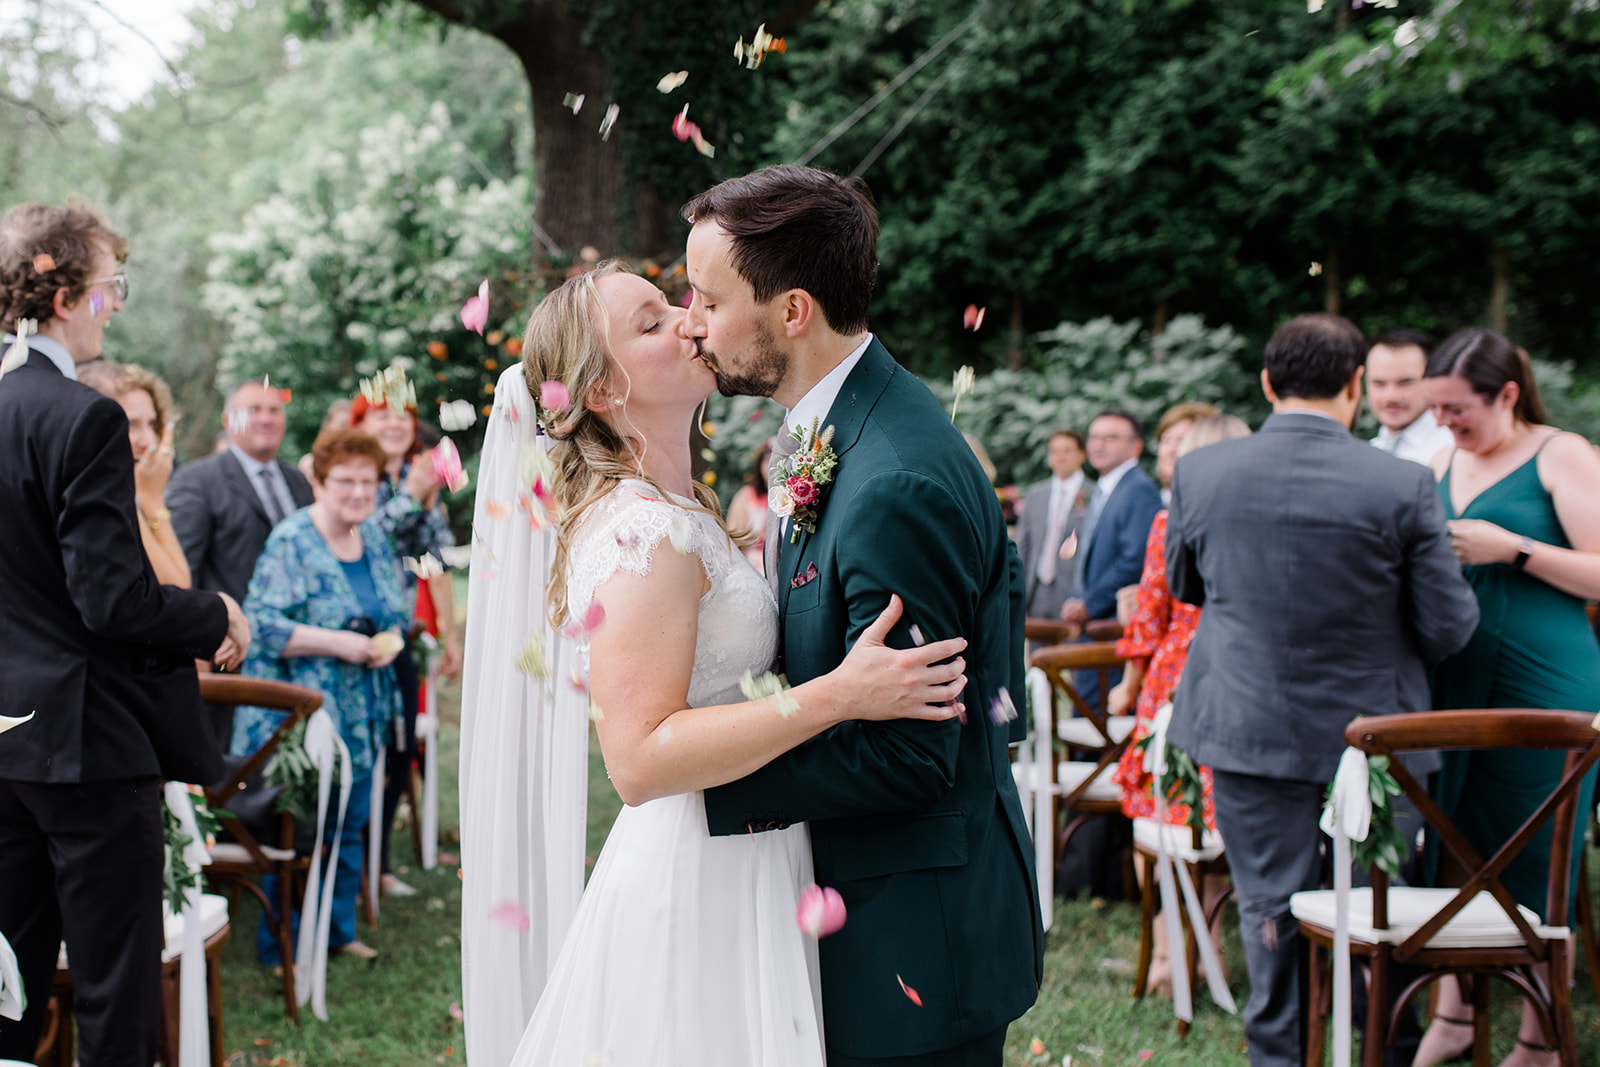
[
  {"x": 1058, "y": 509},
  {"x": 1108, "y": 480},
  {"x": 283, "y": 504},
  {"x": 1419, "y": 442},
  {"x": 50, "y": 348}
]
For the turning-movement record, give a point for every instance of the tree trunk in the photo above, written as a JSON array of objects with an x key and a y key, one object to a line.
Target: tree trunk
[
  {"x": 1014, "y": 335},
  {"x": 1331, "y": 283},
  {"x": 1158, "y": 325},
  {"x": 1496, "y": 312}
]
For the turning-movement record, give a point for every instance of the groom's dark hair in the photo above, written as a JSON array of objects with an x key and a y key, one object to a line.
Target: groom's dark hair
[{"x": 799, "y": 228}]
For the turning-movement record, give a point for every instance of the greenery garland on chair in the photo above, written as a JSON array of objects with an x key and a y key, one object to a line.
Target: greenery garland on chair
[
  {"x": 1385, "y": 846},
  {"x": 1181, "y": 783},
  {"x": 292, "y": 771},
  {"x": 176, "y": 874}
]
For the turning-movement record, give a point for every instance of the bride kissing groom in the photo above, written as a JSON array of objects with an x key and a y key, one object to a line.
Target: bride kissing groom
[{"x": 895, "y": 611}]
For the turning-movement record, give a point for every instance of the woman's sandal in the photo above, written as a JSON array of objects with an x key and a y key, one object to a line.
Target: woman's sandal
[
  {"x": 1447, "y": 1055},
  {"x": 1543, "y": 1049}
]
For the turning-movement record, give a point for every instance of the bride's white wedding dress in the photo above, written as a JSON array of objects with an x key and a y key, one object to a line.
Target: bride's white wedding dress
[{"x": 684, "y": 950}]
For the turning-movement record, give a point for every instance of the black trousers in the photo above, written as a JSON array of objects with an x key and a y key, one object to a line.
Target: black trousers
[
  {"x": 83, "y": 863},
  {"x": 984, "y": 1051},
  {"x": 400, "y": 756}
]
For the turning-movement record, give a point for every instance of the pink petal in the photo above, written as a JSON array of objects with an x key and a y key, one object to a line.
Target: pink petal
[
  {"x": 455, "y": 1012},
  {"x": 681, "y": 124},
  {"x": 969, "y": 316},
  {"x": 553, "y": 396},
  {"x": 1146, "y": 1053},
  {"x": 511, "y": 915},
  {"x": 1002, "y": 710},
  {"x": 909, "y": 992},
  {"x": 447, "y": 464},
  {"x": 475, "y": 312},
  {"x": 820, "y": 911}
]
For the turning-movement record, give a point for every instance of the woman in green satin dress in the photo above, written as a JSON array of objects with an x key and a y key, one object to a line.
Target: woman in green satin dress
[{"x": 1523, "y": 501}]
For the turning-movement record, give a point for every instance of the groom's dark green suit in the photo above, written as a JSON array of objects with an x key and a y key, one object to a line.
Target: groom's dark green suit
[{"x": 916, "y": 824}]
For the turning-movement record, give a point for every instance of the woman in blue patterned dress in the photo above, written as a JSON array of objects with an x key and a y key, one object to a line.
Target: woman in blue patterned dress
[{"x": 325, "y": 586}]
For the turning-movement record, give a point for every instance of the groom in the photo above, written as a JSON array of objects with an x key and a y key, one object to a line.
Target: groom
[{"x": 916, "y": 824}]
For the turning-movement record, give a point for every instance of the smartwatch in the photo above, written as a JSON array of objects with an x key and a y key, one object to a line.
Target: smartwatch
[{"x": 1524, "y": 550}]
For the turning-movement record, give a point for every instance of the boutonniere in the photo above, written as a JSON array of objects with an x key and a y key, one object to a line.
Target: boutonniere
[{"x": 796, "y": 490}]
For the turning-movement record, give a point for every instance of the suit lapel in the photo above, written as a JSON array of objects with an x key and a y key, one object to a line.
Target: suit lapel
[
  {"x": 857, "y": 396},
  {"x": 239, "y": 482}
]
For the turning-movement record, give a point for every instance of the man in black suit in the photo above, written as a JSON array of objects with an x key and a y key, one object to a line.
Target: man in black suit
[
  {"x": 1325, "y": 571},
  {"x": 88, "y": 629},
  {"x": 224, "y": 506}
]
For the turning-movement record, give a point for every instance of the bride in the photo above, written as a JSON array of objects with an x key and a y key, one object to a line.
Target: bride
[{"x": 685, "y": 948}]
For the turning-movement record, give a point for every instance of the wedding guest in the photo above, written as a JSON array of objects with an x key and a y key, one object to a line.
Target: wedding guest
[
  {"x": 1523, "y": 500},
  {"x": 1052, "y": 511},
  {"x": 748, "y": 508},
  {"x": 338, "y": 414},
  {"x": 1327, "y": 587},
  {"x": 87, "y": 630},
  {"x": 147, "y": 402},
  {"x": 1174, "y": 426},
  {"x": 411, "y": 514},
  {"x": 1155, "y": 646},
  {"x": 1395, "y": 365},
  {"x": 223, "y": 506},
  {"x": 325, "y": 589}
]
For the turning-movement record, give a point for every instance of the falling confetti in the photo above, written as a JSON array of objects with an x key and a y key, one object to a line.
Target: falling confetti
[
  {"x": 678, "y": 533},
  {"x": 911, "y": 994},
  {"x": 916, "y": 636},
  {"x": 1036, "y": 1047},
  {"x": 592, "y": 620},
  {"x": 553, "y": 396},
  {"x": 763, "y": 42},
  {"x": 1316, "y": 269},
  {"x": 577, "y": 681},
  {"x": 97, "y": 303},
  {"x": 455, "y": 1012},
  {"x": 447, "y": 465},
  {"x": 389, "y": 389},
  {"x": 530, "y": 661},
  {"x": 684, "y": 130},
  {"x": 475, "y": 312},
  {"x": 771, "y": 685},
  {"x": 456, "y": 415},
  {"x": 1405, "y": 33},
  {"x": 963, "y": 383},
  {"x": 1069, "y": 547},
  {"x": 426, "y": 567},
  {"x": 595, "y": 714},
  {"x": 820, "y": 911},
  {"x": 972, "y": 317},
  {"x": 511, "y": 915},
  {"x": 1002, "y": 710},
  {"x": 456, "y": 555},
  {"x": 609, "y": 121},
  {"x": 496, "y": 509},
  {"x": 670, "y": 82},
  {"x": 17, "y": 354},
  {"x": 44, "y": 263},
  {"x": 1146, "y": 1053},
  {"x": 574, "y": 101}
]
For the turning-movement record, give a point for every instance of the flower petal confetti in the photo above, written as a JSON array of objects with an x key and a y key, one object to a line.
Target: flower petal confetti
[
  {"x": 1405, "y": 33},
  {"x": 426, "y": 567},
  {"x": 553, "y": 396},
  {"x": 447, "y": 465},
  {"x": 1145, "y": 1053},
  {"x": 593, "y": 619},
  {"x": 574, "y": 101},
  {"x": 609, "y": 121},
  {"x": 475, "y": 312},
  {"x": 511, "y": 915},
  {"x": 456, "y": 555},
  {"x": 496, "y": 509},
  {"x": 530, "y": 661},
  {"x": 97, "y": 303},
  {"x": 972, "y": 317},
  {"x": 456, "y": 415},
  {"x": 820, "y": 911},
  {"x": 455, "y": 1012},
  {"x": 1036, "y": 1047},
  {"x": 1069, "y": 547},
  {"x": 763, "y": 42},
  {"x": 595, "y": 714},
  {"x": 389, "y": 389},
  {"x": 1002, "y": 710},
  {"x": 17, "y": 354},
  {"x": 44, "y": 263},
  {"x": 670, "y": 82},
  {"x": 1316, "y": 269},
  {"x": 911, "y": 994},
  {"x": 916, "y": 636},
  {"x": 963, "y": 383},
  {"x": 771, "y": 685},
  {"x": 577, "y": 681},
  {"x": 678, "y": 533}
]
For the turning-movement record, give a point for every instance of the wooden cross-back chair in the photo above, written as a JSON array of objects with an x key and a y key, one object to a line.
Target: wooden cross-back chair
[
  {"x": 1477, "y": 931},
  {"x": 243, "y": 860}
]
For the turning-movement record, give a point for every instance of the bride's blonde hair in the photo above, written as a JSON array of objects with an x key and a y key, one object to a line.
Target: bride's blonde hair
[{"x": 568, "y": 341}]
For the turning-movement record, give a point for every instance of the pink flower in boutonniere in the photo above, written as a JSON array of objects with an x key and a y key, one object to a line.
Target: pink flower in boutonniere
[{"x": 802, "y": 490}]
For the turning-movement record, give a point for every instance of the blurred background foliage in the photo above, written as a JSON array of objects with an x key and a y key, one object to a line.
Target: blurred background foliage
[{"x": 1136, "y": 190}]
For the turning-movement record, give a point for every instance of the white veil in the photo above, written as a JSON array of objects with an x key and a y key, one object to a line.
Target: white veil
[{"x": 524, "y": 752}]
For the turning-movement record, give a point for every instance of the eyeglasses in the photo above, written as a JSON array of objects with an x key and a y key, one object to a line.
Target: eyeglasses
[
  {"x": 119, "y": 283},
  {"x": 1095, "y": 437}
]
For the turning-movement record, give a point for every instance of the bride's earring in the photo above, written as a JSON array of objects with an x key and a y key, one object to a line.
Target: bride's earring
[{"x": 617, "y": 402}]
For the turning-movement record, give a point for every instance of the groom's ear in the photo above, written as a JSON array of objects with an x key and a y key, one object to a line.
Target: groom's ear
[{"x": 799, "y": 311}]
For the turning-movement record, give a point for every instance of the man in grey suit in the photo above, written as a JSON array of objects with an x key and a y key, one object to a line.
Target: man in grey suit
[
  {"x": 224, "y": 506},
  {"x": 1051, "y": 514},
  {"x": 1328, "y": 583}
]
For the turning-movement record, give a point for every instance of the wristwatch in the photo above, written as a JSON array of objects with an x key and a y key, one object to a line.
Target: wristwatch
[{"x": 1524, "y": 550}]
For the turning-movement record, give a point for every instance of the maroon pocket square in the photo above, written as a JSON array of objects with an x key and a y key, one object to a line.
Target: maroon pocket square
[{"x": 801, "y": 579}]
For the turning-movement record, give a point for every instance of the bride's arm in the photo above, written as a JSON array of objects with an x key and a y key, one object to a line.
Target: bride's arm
[{"x": 641, "y": 659}]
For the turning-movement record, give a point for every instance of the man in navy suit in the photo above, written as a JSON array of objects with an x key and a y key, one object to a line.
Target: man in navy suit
[
  {"x": 1111, "y": 539},
  {"x": 89, "y": 638}
]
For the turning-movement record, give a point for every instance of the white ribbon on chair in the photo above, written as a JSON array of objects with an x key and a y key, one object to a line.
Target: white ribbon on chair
[
  {"x": 376, "y": 832},
  {"x": 428, "y": 730},
  {"x": 323, "y": 745},
  {"x": 13, "y": 998},
  {"x": 1155, "y": 763},
  {"x": 194, "y": 1036},
  {"x": 1346, "y": 818}
]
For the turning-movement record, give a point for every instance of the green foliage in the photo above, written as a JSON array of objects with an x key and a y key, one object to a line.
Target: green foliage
[
  {"x": 1385, "y": 846},
  {"x": 176, "y": 875},
  {"x": 290, "y": 769}
]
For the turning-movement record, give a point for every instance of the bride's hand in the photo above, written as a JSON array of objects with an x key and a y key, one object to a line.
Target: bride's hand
[{"x": 879, "y": 682}]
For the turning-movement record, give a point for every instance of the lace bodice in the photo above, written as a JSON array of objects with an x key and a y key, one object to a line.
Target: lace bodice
[{"x": 738, "y": 620}]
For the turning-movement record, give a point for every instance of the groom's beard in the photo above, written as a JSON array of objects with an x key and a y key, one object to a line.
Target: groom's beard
[{"x": 765, "y": 371}]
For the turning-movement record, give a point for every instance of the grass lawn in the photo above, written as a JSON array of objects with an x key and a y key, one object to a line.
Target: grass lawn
[{"x": 396, "y": 1011}]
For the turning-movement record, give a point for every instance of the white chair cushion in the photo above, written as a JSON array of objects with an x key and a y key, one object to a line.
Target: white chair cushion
[
  {"x": 1481, "y": 924},
  {"x": 233, "y": 852},
  {"x": 1084, "y": 734},
  {"x": 1069, "y": 775},
  {"x": 213, "y": 917},
  {"x": 1180, "y": 842}
]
